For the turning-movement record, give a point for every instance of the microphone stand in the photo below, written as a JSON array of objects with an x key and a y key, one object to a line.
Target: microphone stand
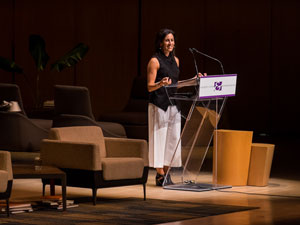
[
  {"x": 196, "y": 68},
  {"x": 192, "y": 51},
  {"x": 201, "y": 53}
]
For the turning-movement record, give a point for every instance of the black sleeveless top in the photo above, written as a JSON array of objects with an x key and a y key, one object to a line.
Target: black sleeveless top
[{"x": 167, "y": 68}]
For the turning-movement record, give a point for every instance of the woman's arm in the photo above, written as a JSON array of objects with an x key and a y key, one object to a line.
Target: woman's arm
[
  {"x": 152, "y": 69},
  {"x": 191, "y": 81},
  {"x": 177, "y": 61}
]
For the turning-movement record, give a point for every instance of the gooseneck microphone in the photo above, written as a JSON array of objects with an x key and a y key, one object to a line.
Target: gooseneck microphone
[
  {"x": 191, "y": 50},
  {"x": 208, "y": 56}
]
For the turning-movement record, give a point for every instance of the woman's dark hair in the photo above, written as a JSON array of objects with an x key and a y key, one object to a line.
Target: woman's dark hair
[{"x": 160, "y": 36}]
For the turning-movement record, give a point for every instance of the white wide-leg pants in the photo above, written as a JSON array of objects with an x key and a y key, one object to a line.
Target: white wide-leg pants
[{"x": 164, "y": 134}]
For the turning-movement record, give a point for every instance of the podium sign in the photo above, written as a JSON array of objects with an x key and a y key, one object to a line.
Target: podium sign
[
  {"x": 201, "y": 101},
  {"x": 217, "y": 86}
]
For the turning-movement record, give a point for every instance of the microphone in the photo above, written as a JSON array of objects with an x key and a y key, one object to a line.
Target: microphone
[
  {"x": 201, "y": 53},
  {"x": 191, "y": 50}
]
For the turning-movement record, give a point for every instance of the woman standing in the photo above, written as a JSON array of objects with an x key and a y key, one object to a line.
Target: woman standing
[{"x": 164, "y": 117}]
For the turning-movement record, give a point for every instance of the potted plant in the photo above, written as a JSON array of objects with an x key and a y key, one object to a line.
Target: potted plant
[{"x": 37, "y": 49}]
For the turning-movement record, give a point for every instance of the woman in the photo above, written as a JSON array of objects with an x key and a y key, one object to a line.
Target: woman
[{"x": 164, "y": 117}]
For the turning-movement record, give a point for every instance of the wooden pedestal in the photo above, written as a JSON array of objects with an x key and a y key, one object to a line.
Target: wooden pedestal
[
  {"x": 260, "y": 164},
  {"x": 231, "y": 157}
]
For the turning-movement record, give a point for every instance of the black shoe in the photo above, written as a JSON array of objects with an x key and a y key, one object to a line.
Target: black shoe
[
  {"x": 168, "y": 180},
  {"x": 159, "y": 179}
]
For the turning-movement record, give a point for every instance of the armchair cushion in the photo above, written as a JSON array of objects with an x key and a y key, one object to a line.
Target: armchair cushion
[
  {"x": 44, "y": 123},
  {"x": 123, "y": 147},
  {"x": 24, "y": 157},
  {"x": 122, "y": 168}
]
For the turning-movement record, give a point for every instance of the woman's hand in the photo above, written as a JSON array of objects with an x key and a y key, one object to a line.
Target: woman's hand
[
  {"x": 165, "y": 81},
  {"x": 200, "y": 75}
]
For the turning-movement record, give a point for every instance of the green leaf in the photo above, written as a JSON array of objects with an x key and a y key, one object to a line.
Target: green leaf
[
  {"x": 9, "y": 65},
  {"x": 71, "y": 58},
  {"x": 37, "y": 49}
]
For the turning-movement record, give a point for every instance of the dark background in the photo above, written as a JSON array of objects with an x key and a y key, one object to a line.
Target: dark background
[{"x": 257, "y": 39}]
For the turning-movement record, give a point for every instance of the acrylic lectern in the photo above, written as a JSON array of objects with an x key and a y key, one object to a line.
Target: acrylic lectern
[{"x": 201, "y": 102}]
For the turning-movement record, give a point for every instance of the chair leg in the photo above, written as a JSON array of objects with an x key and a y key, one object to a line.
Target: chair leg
[
  {"x": 44, "y": 187},
  {"x": 94, "y": 196},
  {"x": 144, "y": 188},
  {"x": 7, "y": 207},
  {"x": 52, "y": 187}
]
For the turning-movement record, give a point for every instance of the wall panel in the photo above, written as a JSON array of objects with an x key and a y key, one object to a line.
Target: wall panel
[
  {"x": 53, "y": 20},
  {"x": 110, "y": 28},
  {"x": 228, "y": 31},
  {"x": 186, "y": 19},
  {"x": 259, "y": 40},
  {"x": 285, "y": 77},
  {"x": 238, "y": 34},
  {"x": 6, "y": 37}
]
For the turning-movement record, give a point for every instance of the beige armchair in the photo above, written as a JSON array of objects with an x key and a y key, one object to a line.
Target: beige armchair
[
  {"x": 6, "y": 177},
  {"x": 93, "y": 161}
]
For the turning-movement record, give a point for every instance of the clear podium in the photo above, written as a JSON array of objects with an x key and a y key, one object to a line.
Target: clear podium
[{"x": 201, "y": 102}]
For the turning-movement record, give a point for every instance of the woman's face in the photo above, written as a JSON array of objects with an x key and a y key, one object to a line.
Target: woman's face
[{"x": 168, "y": 44}]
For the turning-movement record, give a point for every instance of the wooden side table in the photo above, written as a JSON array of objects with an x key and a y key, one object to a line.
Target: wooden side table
[
  {"x": 260, "y": 164},
  {"x": 22, "y": 171},
  {"x": 231, "y": 157}
]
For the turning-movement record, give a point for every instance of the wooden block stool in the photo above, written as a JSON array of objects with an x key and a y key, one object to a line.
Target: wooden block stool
[
  {"x": 260, "y": 164},
  {"x": 231, "y": 157}
]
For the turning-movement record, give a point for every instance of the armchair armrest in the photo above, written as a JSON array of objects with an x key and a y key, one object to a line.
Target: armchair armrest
[
  {"x": 18, "y": 133},
  {"x": 123, "y": 147},
  {"x": 72, "y": 155},
  {"x": 5, "y": 163},
  {"x": 3, "y": 180}
]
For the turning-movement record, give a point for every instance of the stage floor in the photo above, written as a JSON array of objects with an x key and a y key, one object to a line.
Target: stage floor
[{"x": 279, "y": 202}]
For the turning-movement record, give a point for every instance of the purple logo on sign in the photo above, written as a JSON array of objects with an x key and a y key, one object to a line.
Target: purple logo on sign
[{"x": 218, "y": 86}]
